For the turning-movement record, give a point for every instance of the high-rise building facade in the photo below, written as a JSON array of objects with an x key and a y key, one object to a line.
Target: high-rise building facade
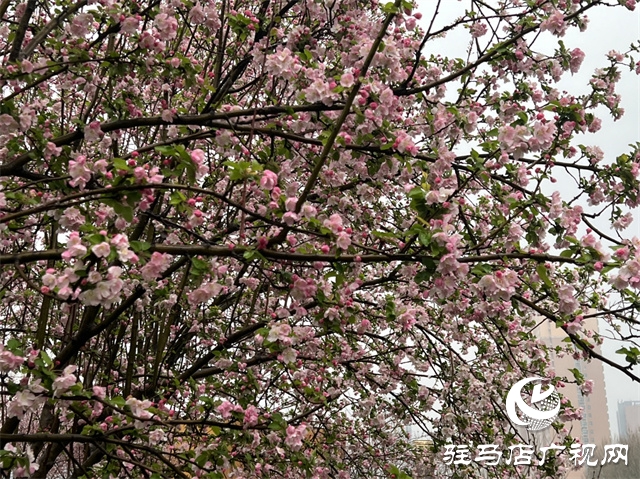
[
  {"x": 594, "y": 426},
  {"x": 628, "y": 418}
]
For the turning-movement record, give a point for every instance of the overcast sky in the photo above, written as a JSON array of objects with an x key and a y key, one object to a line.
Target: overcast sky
[{"x": 609, "y": 29}]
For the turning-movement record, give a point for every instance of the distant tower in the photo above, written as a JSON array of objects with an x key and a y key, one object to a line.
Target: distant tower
[
  {"x": 628, "y": 418},
  {"x": 594, "y": 426}
]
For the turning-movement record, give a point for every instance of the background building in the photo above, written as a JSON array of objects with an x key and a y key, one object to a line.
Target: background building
[
  {"x": 594, "y": 426},
  {"x": 628, "y": 418}
]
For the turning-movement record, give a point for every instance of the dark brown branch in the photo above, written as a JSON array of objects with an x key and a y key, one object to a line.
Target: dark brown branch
[{"x": 22, "y": 31}]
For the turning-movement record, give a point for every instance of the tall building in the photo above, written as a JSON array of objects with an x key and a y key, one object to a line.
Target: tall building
[
  {"x": 594, "y": 426},
  {"x": 628, "y": 418}
]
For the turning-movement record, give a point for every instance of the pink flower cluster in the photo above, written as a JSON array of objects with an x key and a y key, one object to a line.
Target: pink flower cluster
[
  {"x": 283, "y": 64},
  {"x": 555, "y": 24},
  {"x": 167, "y": 26},
  {"x": 8, "y": 360},
  {"x": 295, "y": 435},
  {"x": 204, "y": 293},
  {"x": 27, "y": 399},
  {"x": 74, "y": 247},
  {"x": 280, "y": 332},
  {"x": 251, "y": 414},
  {"x": 303, "y": 288},
  {"x": 157, "y": 265},
  {"x": 628, "y": 275},
  {"x": 501, "y": 285},
  {"x": 567, "y": 299},
  {"x": 63, "y": 281},
  {"x": 63, "y": 383},
  {"x": 105, "y": 292},
  {"x": 269, "y": 180},
  {"x": 198, "y": 157},
  {"x": 79, "y": 171}
]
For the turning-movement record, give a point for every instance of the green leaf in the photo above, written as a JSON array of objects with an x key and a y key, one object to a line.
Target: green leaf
[
  {"x": 177, "y": 198},
  {"x": 119, "y": 402},
  {"x": 200, "y": 264},
  {"x": 253, "y": 254},
  {"x": 390, "y": 8},
  {"x": 568, "y": 253},
  {"x": 544, "y": 275},
  {"x": 139, "y": 245},
  {"x": 577, "y": 375},
  {"x": 121, "y": 209},
  {"x": 120, "y": 164}
]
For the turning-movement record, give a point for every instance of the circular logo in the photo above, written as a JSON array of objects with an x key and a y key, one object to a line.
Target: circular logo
[{"x": 537, "y": 409}]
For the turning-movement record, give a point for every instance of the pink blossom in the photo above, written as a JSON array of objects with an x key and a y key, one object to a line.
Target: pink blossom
[
  {"x": 100, "y": 166},
  {"x": 139, "y": 408},
  {"x": 167, "y": 26},
  {"x": 543, "y": 135},
  {"x": 80, "y": 23},
  {"x": 303, "y": 288},
  {"x": 404, "y": 143},
  {"x": 49, "y": 280},
  {"x": 309, "y": 211},
  {"x": 279, "y": 332},
  {"x": 269, "y": 180},
  {"x": 438, "y": 196},
  {"x": 156, "y": 436},
  {"x": 198, "y": 157},
  {"x": 501, "y": 285},
  {"x": 334, "y": 223},
  {"x": 92, "y": 132},
  {"x": 101, "y": 250},
  {"x": 167, "y": 115},
  {"x": 577, "y": 56},
  {"x": 587, "y": 387},
  {"x": 63, "y": 382},
  {"x": 567, "y": 300},
  {"x": 251, "y": 416},
  {"x": 26, "y": 66},
  {"x": 574, "y": 326},
  {"x": 20, "y": 403},
  {"x": 197, "y": 15},
  {"x": 71, "y": 218},
  {"x": 289, "y": 355},
  {"x": 158, "y": 263},
  {"x": 343, "y": 241},
  {"x": 129, "y": 25},
  {"x": 120, "y": 241},
  {"x": 283, "y": 64},
  {"x": 478, "y": 29},
  {"x": 290, "y": 218},
  {"x": 8, "y": 125},
  {"x": 554, "y": 24},
  {"x": 319, "y": 91},
  {"x": 295, "y": 435},
  {"x": 595, "y": 125},
  {"x": 74, "y": 247},
  {"x": 79, "y": 172},
  {"x": 99, "y": 392},
  {"x": 225, "y": 409},
  {"x": 347, "y": 79},
  {"x": 290, "y": 204},
  {"x": 8, "y": 360},
  {"x": 204, "y": 293},
  {"x": 623, "y": 222}
]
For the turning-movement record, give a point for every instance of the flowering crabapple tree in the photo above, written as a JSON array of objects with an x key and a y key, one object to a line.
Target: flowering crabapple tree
[{"x": 260, "y": 238}]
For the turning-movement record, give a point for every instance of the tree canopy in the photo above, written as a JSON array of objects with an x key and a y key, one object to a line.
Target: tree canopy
[{"x": 260, "y": 238}]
